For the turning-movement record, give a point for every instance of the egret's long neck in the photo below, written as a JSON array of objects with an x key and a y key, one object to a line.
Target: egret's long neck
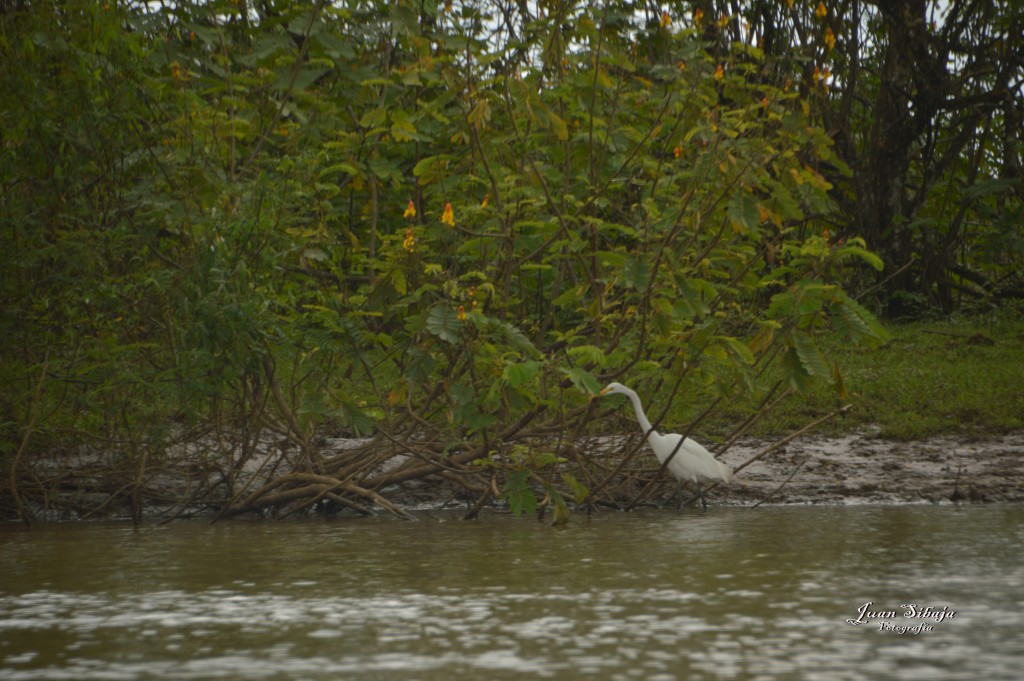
[{"x": 645, "y": 425}]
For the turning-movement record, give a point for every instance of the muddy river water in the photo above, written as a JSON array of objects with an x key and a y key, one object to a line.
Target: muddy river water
[{"x": 796, "y": 592}]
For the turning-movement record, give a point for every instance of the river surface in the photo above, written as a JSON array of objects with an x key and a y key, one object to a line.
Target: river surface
[{"x": 735, "y": 593}]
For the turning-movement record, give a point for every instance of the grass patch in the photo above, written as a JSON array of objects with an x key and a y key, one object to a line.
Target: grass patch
[{"x": 963, "y": 375}]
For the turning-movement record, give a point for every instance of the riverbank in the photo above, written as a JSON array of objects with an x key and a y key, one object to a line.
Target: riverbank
[
  {"x": 862, "y": 468},
  {"x": 850, "y": 469},
  {"x": 846, "y": 469}
]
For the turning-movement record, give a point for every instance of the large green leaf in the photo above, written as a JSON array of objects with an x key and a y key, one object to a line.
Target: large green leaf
[
  {"x": 443, "y": 322},
  {"x": 521, "y": 373},
  {"x": 810, "y": 356}
]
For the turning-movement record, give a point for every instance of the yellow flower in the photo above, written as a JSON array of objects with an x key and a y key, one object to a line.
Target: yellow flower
[
  {"x": 677, "y": 152},
  {"x": 681, "y": 65},
  {"x": 719, "y": 73},
  {"x": 410, "y": 210},
  {"x": 665, "y": 20},
  {"x": 410, "y": 241},
  {"x": 698, "y": 15},
  {"x": 830, "y": 38},
  {"x": 448, "y": 216},
  {"x": 461, "y": 316},
  {"x": 822, "y": 11},
  {"x": 487, "y": 199}
]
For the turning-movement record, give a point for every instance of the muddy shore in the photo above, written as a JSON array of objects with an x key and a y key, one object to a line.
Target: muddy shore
[
  {"x": 858, "y": 468},
  {"x": 864, "y": 469}
]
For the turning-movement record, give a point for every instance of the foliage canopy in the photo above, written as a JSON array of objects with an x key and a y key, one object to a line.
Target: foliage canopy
[{"x": 445, "y": 223}]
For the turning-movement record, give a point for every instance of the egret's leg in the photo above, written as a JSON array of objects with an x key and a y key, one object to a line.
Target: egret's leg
[
  {"x": 679, "y": 495},
  {"x": 700, "y": 493}
]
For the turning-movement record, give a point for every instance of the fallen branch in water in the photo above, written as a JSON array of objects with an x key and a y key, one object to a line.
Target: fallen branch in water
[{"x": 309, "y": 488}]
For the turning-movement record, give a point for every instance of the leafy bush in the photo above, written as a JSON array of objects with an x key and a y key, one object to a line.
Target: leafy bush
[{"x": 446, "y": 225}]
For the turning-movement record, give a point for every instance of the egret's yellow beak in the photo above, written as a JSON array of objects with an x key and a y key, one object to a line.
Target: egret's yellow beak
[{"x": 604, "y": 391}]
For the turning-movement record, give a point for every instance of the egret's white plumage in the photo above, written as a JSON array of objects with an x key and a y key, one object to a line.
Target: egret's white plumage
[{"x": 692, "y": 462}]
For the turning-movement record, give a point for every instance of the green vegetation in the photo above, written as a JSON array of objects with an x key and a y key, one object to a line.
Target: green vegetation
[
  {"x": 448, "y": 224},
  {"x": 959, "y": 376}
]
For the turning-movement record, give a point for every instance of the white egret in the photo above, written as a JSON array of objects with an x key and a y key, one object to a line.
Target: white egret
[{"x": 692, "y": 462}]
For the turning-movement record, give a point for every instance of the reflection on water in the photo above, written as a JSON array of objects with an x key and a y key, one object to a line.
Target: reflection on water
[{"x": 733, "y": 594}]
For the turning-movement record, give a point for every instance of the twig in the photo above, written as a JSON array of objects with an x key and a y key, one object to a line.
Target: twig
[
  {"x": 784, "y": 482},
  {"x": 789, "y": 438},
  {"x": 778, "y": 445}
]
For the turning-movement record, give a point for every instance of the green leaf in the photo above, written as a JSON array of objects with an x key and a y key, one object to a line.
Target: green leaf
[
  {"x": 636, "y": 272},
  {"x": 738, "y": 349},
  {"x": 559, "y": 512},
  {"x": 867, "y": 256},
  {"x": 513, "y": 335},
  {"x": 466, "y": 408},
  {"x": 443, "y": 322},
  {"x": 480, "y": 114},
  {"x": 420, "y": 366},
  {"x": 583, "y": 381},
  {"x": 580, "y": 492},
  {"x": 794, "y": 370},
  {"x": 517, "y": 493},
  {"x": 858, "y": 322},
  {"x": 559, "y": 126},
  {"x": 517, "y": 375},
  {"x": 781, "y": 305},
  {"x": 590, "y": 354},
  {"x": 337, "y": 168},
  {"x": 810, "y": 356},
  {"x": 430, "y": 168},
  {"x": 405, "y": 19},
  {"x": 402, "y": 127},
  {"x": 374, "y": 118},
  {"x": 356, "y": 419},
  {"x": 742, "y": 211}
]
